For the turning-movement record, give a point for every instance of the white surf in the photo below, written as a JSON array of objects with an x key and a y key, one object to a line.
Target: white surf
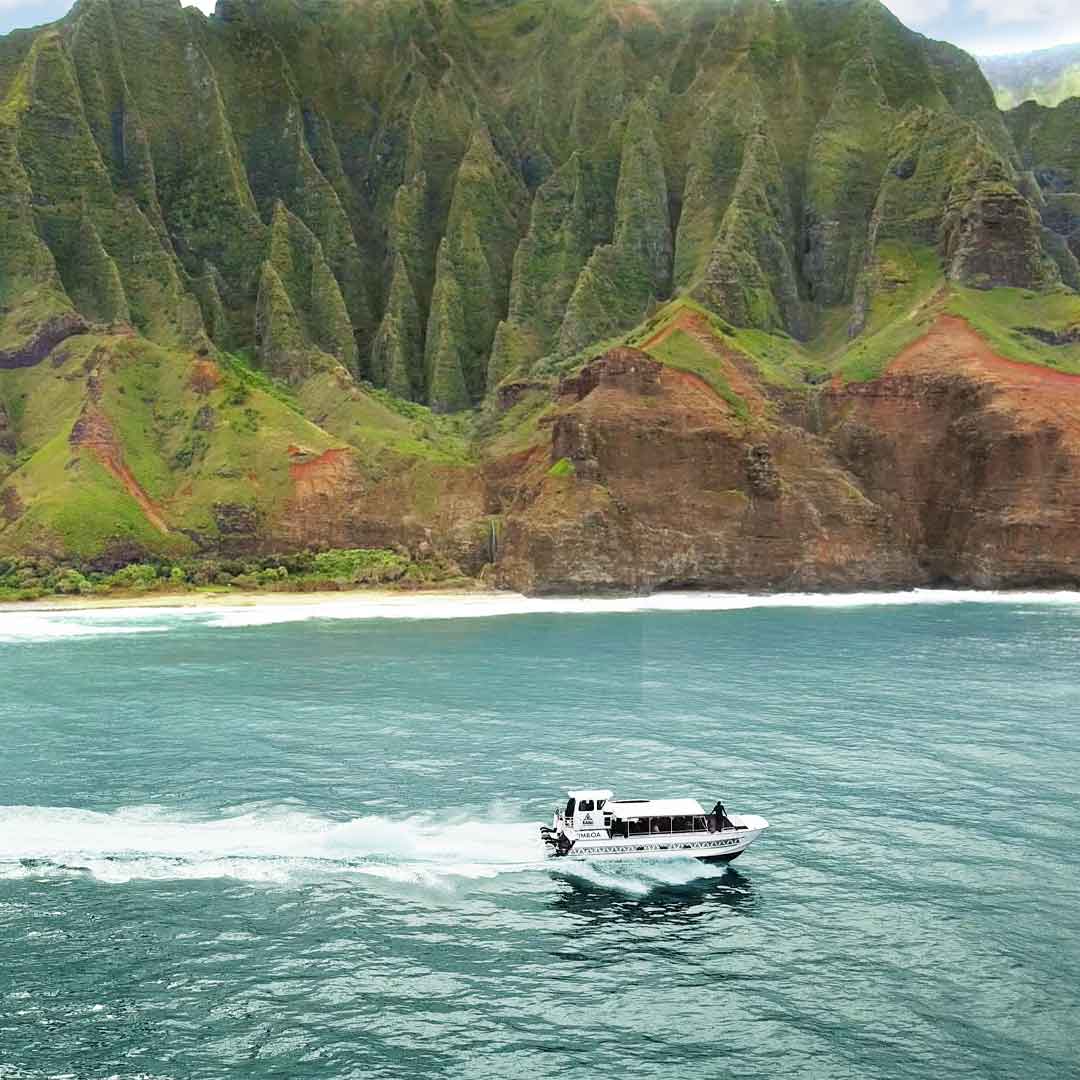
[{"x": 51, "y": 626}]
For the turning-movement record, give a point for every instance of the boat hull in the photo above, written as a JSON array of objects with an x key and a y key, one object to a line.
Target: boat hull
[{"x": 715, "y": 848}]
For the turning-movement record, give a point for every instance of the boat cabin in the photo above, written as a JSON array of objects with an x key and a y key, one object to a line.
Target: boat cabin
[
  {"x": 659, "y": 817},
  {"x": 593, "y": 813},
  {"x": 587, "y": 810}
]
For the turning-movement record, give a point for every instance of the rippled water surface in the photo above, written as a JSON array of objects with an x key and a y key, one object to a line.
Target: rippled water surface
[{"x": 270, "y": 844}]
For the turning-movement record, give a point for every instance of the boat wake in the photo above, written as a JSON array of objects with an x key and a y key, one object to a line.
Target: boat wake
[
  {"x": 640, "y": 877},
  {"x": 282, "y": 846},
  {"x": 278, "y": 845}
]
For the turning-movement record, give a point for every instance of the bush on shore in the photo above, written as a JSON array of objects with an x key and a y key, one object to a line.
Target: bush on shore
[{"x": 35, "y": 577}]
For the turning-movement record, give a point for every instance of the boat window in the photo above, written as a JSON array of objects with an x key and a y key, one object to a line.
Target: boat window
[
  {"x": 680, "y": 824},
  {"x": 638, "y": 826},
  {"x": 600, "y": 804},
  {"x": 661, "y": 824},
  {"x": 585, "y": 804},
  {"x": 569, "y": 809},
  {"x": 701, "y": 825}
]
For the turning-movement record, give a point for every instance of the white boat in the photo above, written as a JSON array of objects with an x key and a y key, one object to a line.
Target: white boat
[{"x": 596, "y": 825}]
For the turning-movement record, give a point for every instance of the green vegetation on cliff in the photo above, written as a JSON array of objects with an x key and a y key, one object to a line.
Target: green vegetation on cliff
[{"x": 288, "y": 274}]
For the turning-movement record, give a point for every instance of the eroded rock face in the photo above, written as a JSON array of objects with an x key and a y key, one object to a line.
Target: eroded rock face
[
  {"x": 42, "y": 341},
  {"x": 975, "y": 459},
  {"x": 672, "y": 488},
  {"x": 954, "y": 467},
  {"x": 335, "y": 504},
  {"x": 995, "y": 239}
]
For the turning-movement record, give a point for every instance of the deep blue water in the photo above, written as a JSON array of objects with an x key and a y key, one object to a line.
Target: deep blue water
[{"x": 307, "y": 848}]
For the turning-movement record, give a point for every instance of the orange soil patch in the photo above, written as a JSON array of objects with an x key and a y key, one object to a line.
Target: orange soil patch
[
  {"x": 327, "y": 462},
  {"x": 952, "y": 339},
  {"x": 695, "y": 325},
  {"x": 696, "y": 384},
  {"x": 1040, "y": 394},
  {"x": 629, "y": 14},
  {"x": 95, "y": 433},
  {"x": 205, "y": 376}
]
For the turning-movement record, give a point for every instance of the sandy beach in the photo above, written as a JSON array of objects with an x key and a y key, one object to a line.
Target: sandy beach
[{"x": 227, "y": 599}]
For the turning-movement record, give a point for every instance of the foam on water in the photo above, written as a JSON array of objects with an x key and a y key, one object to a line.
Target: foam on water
[
  {"x": 640, "y": 877},
  {"x": 47, "y": 626},
  {"x": 489, "y": 606},
  {"x": 282, "y": 846},
  {"x": 274, "y": 845}
]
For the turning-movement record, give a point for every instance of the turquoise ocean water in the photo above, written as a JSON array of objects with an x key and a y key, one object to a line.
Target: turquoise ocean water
[{"x": 301, "y": 842}]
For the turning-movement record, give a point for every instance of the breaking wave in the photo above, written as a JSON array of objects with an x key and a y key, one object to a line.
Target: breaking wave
[
  {"x": 491, "y": 606},
  {"x": 45, "y": 626},
  {"x": 48, "y": 626}
]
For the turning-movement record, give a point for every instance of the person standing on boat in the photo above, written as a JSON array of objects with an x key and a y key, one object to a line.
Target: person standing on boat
[{"x": 721, "y": 815}]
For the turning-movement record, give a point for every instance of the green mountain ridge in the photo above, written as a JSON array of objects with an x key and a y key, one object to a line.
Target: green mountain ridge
[{"x": 232, "y": 245}]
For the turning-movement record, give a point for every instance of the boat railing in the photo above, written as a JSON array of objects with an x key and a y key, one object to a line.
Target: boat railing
[{"x": 665, "y": 826}]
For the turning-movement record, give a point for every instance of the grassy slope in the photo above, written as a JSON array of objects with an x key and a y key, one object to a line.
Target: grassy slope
[
  {"x": 901, "y": 311},
  {"x": 190, "y": 444},
  {"x": 999, "y": 314},
  {"x": 912, "y": 293}
]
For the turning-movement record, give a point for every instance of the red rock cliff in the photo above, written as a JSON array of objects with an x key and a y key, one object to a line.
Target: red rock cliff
[{"x": 955, "y": 466}]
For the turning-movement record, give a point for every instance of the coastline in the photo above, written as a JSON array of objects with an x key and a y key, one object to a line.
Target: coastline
[
  {"x": 455, "y": 601},
  {"x": 211, "y": 601}
]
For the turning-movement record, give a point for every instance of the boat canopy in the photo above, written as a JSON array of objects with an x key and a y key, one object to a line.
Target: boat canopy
[
  {"x": 590, "y": 793},
  {"x": 639, "y": 808}
]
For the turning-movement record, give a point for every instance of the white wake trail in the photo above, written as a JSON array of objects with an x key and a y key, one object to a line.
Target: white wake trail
[{"x": 277, "y": 845}]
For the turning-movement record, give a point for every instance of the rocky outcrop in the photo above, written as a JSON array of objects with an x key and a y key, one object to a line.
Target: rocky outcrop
[
  {"x": 671, "y": 488},
  {"x": 995, "y": 239},
  {"x": 337, "y": 504},
  {"x": 50, "y": 334},
  {"x": 954, "y": 467},
  {"x": 975, "y": 459}
]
